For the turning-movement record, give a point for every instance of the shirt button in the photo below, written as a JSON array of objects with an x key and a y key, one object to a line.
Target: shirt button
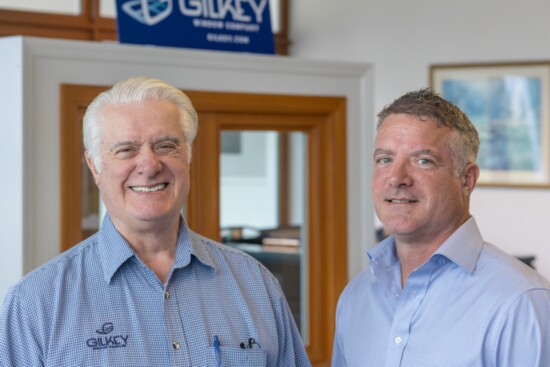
[
  {"x": 398, "y": 340},
  {"x": 166, "y": 295},
  {"x": 176, "y": 345}
]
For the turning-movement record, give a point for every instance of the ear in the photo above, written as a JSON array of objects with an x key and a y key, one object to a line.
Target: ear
[
  {"x": 92, "y": 167},
  {"x": 469, "y": 177}
]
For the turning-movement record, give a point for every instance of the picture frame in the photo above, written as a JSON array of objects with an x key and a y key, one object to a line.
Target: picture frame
[{"x": 508, "y": 103}]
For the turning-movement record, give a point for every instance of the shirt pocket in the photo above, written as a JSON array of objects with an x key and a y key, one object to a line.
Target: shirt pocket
[{"x": 236, "y": 357}]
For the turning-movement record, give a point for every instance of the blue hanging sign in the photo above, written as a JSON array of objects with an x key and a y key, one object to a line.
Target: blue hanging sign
[{"x": 228, "y": 25}]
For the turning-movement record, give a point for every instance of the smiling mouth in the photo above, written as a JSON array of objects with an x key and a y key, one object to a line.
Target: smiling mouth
[
  {"x": 401, "y": 201},
  {"x": 149, "y": 188}
]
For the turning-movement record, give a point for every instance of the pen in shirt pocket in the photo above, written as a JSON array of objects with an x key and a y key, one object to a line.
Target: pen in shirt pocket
[
  {"x": 251, "y": 343},
  {"x": 217, "y": 351}
]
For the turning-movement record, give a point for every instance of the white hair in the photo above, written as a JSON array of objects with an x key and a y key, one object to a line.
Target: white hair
[{"x": 137, "y": 89}]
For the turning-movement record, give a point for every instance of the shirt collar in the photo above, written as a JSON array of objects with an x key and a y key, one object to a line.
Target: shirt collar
[
  {"x": 189, "y": 243},
  {"x": 463, "y": 248},
  {"x": 114, "y": 251},
  {"x": 383, "y": 255}
]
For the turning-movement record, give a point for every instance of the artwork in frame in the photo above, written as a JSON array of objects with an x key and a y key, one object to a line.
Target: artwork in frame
[{"x": 509, "y": 106}]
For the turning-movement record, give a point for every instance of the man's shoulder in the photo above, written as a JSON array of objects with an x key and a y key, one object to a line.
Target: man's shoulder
[
  {"x": 359, "y": 287},
  {"x": 226, "y": 256},
  {"x": 45, "y": 276},
  {"x": 214, "y": 247},
  {"x": 514, "y": 275}
]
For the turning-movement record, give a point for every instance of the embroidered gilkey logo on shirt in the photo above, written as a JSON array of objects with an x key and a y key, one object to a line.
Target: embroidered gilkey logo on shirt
[{"x": 106, "y": 340}]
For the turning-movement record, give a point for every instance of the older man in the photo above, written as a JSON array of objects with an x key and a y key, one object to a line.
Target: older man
[
  {"x": 435, "y": 293},
  {"x": 146, "y": 290}
]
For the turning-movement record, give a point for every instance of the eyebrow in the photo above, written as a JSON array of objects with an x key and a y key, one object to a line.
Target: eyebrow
[
  {"x": 382, "y": 151},
  {"x": 164, "y": 138},
  {"x": 170, "y": 138},
  {"x": 416, "y": 153},
  {"x": 123, "y": 143},
  {"x": 424, "y": 152}
]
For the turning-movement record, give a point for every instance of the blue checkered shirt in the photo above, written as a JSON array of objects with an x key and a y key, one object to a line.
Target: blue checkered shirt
[{"x": 98, "y": 304}]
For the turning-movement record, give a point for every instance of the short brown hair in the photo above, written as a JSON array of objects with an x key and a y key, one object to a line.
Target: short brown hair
[{"x": 426, "y": 104}]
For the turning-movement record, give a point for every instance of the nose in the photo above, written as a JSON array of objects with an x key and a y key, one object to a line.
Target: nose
[
  {"x": 148, "y": 163},
  {"x": 400, "y": 175}
]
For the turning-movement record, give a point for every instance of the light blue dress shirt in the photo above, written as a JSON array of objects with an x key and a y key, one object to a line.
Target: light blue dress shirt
[
  {"x": 469, "y": 305},
  {"x": 99, "y": 305}
]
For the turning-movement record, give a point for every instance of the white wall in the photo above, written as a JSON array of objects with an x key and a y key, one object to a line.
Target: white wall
[
  {"x": 401, "y": 38},
  {"x": 12, "y": 160}
]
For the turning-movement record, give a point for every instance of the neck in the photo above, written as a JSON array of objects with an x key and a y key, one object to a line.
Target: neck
[
  {"x": 412, "y": 257},
  {"x": 415, "y": 250},
  {"x": 155, "y": 245}
]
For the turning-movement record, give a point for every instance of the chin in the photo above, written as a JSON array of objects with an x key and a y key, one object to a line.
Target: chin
[
  {"x": 400, "y": 229},
  {"x": 156, "y": 215}
]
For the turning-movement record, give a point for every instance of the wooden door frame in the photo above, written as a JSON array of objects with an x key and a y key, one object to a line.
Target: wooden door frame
[
  {"x": 323, "y": 119},
  {"x": 74, "y": 101}
]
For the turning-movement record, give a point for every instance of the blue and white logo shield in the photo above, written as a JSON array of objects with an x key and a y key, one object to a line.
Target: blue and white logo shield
[{"x": 148, "y": 12}]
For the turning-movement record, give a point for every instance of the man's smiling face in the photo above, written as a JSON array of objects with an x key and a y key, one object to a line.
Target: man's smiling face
[
  {"x": 416, "y": 193},
  {"x": 144, "y": 175}
]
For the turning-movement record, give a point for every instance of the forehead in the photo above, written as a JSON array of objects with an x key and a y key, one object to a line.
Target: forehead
[
  {"x": 140, "y": 120},
  {"x": 405, "y": 130}
]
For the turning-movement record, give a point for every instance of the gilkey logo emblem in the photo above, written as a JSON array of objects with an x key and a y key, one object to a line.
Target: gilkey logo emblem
[
  {"x": 148, "y": 12},
  {"x": 106, "y": 328},
  {"x": 106, "y": 340}
]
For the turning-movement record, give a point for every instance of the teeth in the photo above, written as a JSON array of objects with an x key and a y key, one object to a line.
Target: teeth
[
  {"x": 148, "y": 189},
  {"x": 401, "y": 201}
]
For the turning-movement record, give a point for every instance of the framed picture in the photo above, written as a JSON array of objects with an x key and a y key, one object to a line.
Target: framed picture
[{"x": 509, "y": 106}]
